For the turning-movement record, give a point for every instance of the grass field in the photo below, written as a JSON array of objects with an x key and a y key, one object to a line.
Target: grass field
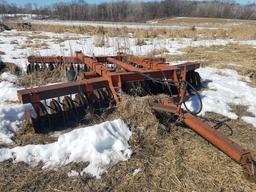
[{"x": 166, "y": 156}]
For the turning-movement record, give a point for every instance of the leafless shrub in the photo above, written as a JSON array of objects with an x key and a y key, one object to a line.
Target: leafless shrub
[
  {"x": 43, "y": 77},
  {"x": 100, "y": 41},
  {"x": 9, "y": 67},
  {"x": 159, "y": 51}
]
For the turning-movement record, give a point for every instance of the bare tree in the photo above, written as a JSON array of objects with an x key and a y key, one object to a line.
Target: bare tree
[{"x": 135, "y": 11}]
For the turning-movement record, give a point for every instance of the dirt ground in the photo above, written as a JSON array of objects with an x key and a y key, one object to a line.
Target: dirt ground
[{"x": 171, "y": 158}]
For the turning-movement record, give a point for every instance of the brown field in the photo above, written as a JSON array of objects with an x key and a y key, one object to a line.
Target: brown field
[
  {"x": 241, "y": 58},
  {"x": 244, "y": 31},
  {"x": 171, "y": 157},
  {"x": 200, "y": 21}
]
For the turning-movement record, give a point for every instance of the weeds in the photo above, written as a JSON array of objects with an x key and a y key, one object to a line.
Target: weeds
[
  {"x": 9, "y": 67},
  {"x": 101, "y": 41},
  {"x": 43, "y": 77},
  {"x": 140, "y": 41},
  {"x": 156, "y": 52},
  {"x": 238, "y": 32},
  {"x": 233, "y": 56},
  {"x": 178, "y": 160}
]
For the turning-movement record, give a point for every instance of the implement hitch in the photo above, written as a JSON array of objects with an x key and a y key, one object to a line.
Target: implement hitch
[{"x": 216, "y": 138}]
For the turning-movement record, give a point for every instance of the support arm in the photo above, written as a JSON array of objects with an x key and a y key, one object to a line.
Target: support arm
[{"x": 229, "y": 147}]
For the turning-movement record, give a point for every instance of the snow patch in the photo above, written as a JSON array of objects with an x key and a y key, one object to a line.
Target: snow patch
[
  {"x": 225, "y": 87},
  {"x": 73, "y": 173},
  {"x": 101, "y": 145},
  {"x": 136, "y": 171},
  {"x": 250, "y": 120},
  {"x": 65, "y": 44},
  {"x": 115, "y": 25},
  {"x": 7, "y": 76},
  {"x": 11, "y": 112}
]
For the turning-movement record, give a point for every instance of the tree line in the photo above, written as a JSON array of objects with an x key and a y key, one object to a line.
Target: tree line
[{"x": 134, "y": 11}]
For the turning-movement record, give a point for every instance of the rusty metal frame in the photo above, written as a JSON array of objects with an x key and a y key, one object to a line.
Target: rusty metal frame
[
  {"x": 233, "y": 150},
  {"x": 114, "y": 79},
  {"x": 159, "y": 64},
  {"x": 137, "y": 70}
]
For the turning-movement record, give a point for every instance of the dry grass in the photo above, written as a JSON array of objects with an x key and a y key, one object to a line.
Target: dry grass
[
  {"x": 241, "y": 110},
  {"x": 59, "y": 40},
  {"x": 101, "y": 41},
  {"x": 3, "y": 27},
  {"x": 15, "y": 42},
  {"x": 38, "y": 36},
  {"x": 171, "y": 158},
  {"x": 209, "y": 22},
  {"x": 140, "y": 41},
  {"x": 43, "y": 78},
  {"x": 157, "y": 52},
  {"x": 75, "y": 29},
  {"x": 238, "y": 57},
  {"x": 34, "y": 45},
  {"x": 244, "y": 31},
  {"x": 148, "y": 33},
  {"x": 10, "y": 67}
]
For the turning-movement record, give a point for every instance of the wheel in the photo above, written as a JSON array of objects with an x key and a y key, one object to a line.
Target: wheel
[
  {"x": 40, "y": 109},
  {"x": 29, "y": 69},
  {"x": 80, "y": 100},
  {"x": 51, "y": 67},
  {"x": 71, "y": 75},
  {"x": 55, "y": 106},
  {"x": 68, "y": 103}
]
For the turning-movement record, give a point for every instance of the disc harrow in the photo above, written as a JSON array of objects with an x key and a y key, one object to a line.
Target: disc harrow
[{"x": 105, "y": 80}]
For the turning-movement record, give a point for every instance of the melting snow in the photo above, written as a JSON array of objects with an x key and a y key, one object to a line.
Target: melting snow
[
  {"x": 7, "y": 76},
  {"x": 105, "y": 144},
  {"x": 152, "y": 25},
  {"x": 101, "y": 145},
  {"x": 73, "y": 173},
  {"x": 11, "y": 113},
  {"x": 136, "y": 171},
  {"x": 226, "y": 87},
  {"x": 17, "y": 50}
]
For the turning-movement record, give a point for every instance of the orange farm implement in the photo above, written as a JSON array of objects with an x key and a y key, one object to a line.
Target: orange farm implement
[{"x": 102, "y": 85}]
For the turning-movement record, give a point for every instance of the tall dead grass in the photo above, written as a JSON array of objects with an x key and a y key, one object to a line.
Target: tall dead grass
[
  {"x": 239, "y": 32},
  {"x": 173, "y": 160},
  {"x": 9, "y": 67},
  {"x": 43, "y": 77},
  {"x": 101, "y": 41},
  {"x": 233, "y": 56},
  {"x": 158, "y": 52},
  {"x": 204, "y": 21},
  {"x": 140, "y": 41}
]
